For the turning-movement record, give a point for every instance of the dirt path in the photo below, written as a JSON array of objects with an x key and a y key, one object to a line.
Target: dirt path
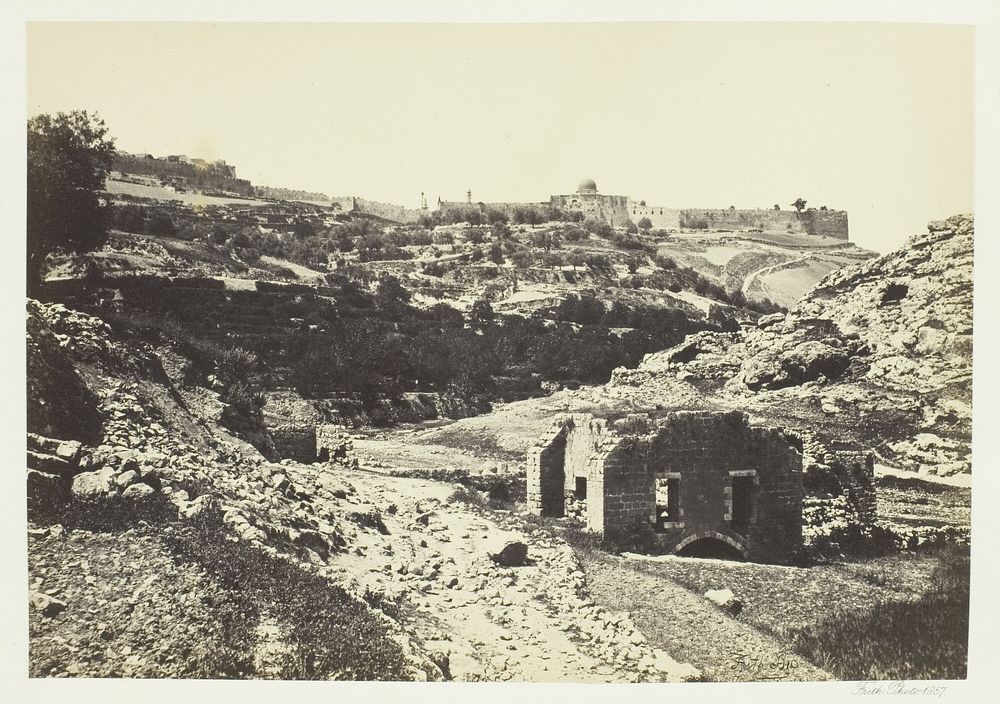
[
  {"x": 693, "y": 629},
  {"x": 752, "y": 276},
  {"x": 523, "y": 623}
]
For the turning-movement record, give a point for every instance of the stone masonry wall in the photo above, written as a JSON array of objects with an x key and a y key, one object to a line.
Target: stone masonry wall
[
  {"x": 703, "y": 450},
  {"x": 832, "y": 223},
  {"x": 584, "y": 437},
  {"x": 387, "y": 211},
  {"x": 546, "y": 473},
  {"x": 294, "y": 442},
  {"x": 855, "y": 471}
]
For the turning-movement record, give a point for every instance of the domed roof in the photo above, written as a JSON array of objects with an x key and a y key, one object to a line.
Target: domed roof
[{"x": 587, "y": 185}]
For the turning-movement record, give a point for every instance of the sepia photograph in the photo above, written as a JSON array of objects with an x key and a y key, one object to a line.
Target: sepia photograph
[{"x": 551, "y": 351}]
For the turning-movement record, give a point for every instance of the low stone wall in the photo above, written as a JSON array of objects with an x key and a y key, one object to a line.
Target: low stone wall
[{"x": 294, "y": 442}]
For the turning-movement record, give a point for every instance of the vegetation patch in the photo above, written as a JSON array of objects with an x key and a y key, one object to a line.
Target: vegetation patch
[
  {"x": 330, "y": 634},
  {"x": 923, "y": 639}
]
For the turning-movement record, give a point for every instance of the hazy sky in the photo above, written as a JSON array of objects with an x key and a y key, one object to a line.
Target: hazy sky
[{"x": 876, "y": 119}]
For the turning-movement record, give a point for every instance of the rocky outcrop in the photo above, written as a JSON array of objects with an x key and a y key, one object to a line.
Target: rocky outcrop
[{"x": 877, "y": 355}]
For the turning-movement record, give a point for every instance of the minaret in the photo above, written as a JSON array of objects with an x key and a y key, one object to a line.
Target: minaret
[
  {"x": 468, "y": 196},
  {"x": 423, "y": 201}
]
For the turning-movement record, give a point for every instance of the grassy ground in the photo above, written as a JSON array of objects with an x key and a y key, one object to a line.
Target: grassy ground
[
  {"x": 902, "y": 616},
  {"x": 924, "y": 639}
]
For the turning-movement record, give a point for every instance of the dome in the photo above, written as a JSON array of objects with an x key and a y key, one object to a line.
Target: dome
[{"x": 587, "y": 186}]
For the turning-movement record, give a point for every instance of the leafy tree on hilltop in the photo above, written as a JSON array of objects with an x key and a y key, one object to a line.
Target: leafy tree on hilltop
[
  {"x": 69, "y": 156},
  {"x": 799, "y": 204}
]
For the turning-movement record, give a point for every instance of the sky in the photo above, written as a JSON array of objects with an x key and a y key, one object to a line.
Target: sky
[{"x": 873, "y": 118}]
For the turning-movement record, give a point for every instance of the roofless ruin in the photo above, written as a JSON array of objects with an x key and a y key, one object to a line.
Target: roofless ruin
[{"x": 707, "y": 483}]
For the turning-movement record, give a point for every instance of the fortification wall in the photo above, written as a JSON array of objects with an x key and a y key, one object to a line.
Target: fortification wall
[
  {"x": 386, "y": 211},
  {"x": 595, "y": 206},
  {"x": 660, "y": 217},
  {"x": 212, "y": 176},
  {"x": 831, "y": 223},
  {"x": 451, "y": 206},
  {"x": 620, "y": 211}
]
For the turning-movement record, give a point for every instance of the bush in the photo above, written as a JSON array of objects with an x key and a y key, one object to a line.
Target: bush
[
  {"x": 160, "y": 223},
  {"x": 238, "y": 375},
  {"x": 469, "y": 497}
]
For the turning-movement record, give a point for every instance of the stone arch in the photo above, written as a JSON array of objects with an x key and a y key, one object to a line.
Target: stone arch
[{"x": 711, "y": 535}]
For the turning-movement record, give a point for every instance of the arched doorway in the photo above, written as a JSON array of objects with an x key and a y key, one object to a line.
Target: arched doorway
[{"x": 711, "y": 545}]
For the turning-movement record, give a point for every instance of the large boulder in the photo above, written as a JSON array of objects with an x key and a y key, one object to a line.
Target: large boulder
[
  {"x": 45, "y": 604},
  {"x": 725, "y": 600},
  {"x": 94, "y": 486},
  {"x": 508, "y": 550},
  {"x": 138, "y": 492}
]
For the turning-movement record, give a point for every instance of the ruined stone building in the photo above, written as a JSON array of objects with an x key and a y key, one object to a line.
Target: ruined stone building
[{"x": 705, "y": 482}]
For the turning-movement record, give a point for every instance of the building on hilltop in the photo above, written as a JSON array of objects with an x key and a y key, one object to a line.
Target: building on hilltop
[
  {"x": 595, "y": 206},
  {"x": 695, "y": 482}
]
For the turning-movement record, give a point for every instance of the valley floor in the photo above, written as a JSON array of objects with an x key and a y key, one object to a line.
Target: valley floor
[{"x": 571, "y": 614}]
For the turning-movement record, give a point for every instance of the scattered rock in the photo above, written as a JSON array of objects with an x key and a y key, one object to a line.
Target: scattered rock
[
  {"x": 138, "y": 492},
  {"x": 45, "y": 604},
  {"x": 126, "y": 479}
]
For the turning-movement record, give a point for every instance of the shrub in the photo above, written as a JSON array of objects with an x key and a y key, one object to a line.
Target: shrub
[
  {"x": 160, "y": 223},
  {"x": 238, "y": 375},
  {"x": 469, "y": 497}
]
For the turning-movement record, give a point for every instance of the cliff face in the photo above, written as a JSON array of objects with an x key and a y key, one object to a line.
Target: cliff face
[{"x": 877, "y": 356}]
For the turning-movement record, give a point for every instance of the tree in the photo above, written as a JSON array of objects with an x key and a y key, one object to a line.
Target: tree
[
  {"x": 304, "y": 229},
  {"x": 69, "y": 156},
  {"x": 496, "y": 253},
  {"x": 482, "y": 312},
  {"x": 776, "y": 206},
  {"x": 390, "y": 296},
  {"x": 645, "y": 223},
  {"x": 799, "y": 204}
]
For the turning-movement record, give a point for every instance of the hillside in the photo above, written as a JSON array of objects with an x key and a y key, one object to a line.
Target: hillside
[{"x": 877, "y": 355}]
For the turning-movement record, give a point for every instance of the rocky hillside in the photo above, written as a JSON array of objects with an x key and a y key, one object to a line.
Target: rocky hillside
[{"x": 877, "y": 356}]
